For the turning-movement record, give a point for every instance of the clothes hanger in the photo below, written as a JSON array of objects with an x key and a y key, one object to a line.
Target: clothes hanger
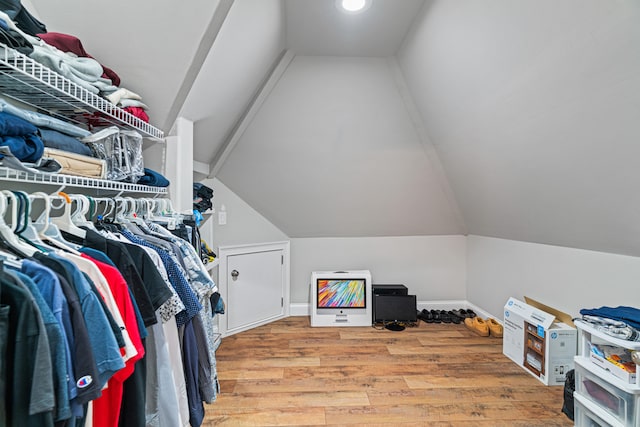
[
  {"x": 9, "y": 239},
  {"x": 29, "y": 233},
  {"x": 49, "y": 231},
  {"x": 42, "y": 222},
  {"x": 9, "y": 259},
  {"x": 79, "y": 217},
  {"x": 22, "y": 211},
  {"x": 64, "y": 222},
  {"x": 167, "y": 214}
]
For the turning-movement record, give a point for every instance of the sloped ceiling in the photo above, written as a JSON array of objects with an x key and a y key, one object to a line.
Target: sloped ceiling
[
  {"x": 498, "y": 118},
  {"x": 151, "y": 44},
  {"x": 533, "y": 108}
]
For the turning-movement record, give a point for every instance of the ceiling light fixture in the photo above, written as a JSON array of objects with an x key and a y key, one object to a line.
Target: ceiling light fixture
[{"x": 353, "y": 6}]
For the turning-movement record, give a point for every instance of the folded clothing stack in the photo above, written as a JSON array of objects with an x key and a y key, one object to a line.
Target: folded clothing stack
[
  {"x": 65, "y": 54},
  {"x": 153, "y": 179},
  {"x": 202, "y": 196},
  {"x": 620, "y": 322},
  {"x": 21, "y": 16},
  {"x": 77, "y": 164},
  {"x": 21, "y": 137}
]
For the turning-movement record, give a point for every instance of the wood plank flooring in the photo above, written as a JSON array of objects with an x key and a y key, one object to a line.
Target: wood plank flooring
[{"x": 290, "y": 374}]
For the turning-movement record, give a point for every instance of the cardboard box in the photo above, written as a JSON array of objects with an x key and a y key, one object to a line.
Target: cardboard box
[{"x": 537, "y": 341}]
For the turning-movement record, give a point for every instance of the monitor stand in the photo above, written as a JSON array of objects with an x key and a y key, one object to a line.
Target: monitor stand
[{"x": 393, "y": 326}]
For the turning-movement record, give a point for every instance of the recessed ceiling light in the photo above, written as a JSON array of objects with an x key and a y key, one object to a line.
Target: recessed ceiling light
[{"x": 353, "y": 6}]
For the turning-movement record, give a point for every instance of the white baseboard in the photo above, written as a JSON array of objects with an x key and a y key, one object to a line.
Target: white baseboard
[
  {"x": 303, "y": 309},
  {"x": 299, "y": 309}
]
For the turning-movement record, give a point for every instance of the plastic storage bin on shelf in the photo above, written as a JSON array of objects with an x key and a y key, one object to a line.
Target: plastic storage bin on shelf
[
  {"x": 588, "y": 335},
  {"x": 612, "y": 397},
  {"x": 621, "y": 401},
  {"x": 585, "y": 417}
]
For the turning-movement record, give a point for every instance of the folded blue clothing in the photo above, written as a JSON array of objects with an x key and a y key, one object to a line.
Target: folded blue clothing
[
  {"x": 43, "y": 120},
  {"x": 21, "y": 137},
  {"x": 28, "y": 148},
  {"x": 11, "y": 125},
  {"x": 628, "y": 315},
  {"x": 153, "y": 178},
  {"x": 55, "y": 139}
]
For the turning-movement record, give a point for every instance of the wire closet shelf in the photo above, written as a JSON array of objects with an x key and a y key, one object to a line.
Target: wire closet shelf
[
  {"x": 31, "y": 83},
  {"x": 8, "y": 174}
]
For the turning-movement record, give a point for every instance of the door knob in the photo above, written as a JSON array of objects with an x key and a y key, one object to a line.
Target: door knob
[{"x": 235, "y": 274}]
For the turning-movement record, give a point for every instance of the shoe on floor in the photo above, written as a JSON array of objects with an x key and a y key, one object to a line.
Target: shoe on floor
[
  {"x": 477, "y": 325},
  {"x": 425, "y": 316},
  {"x": 454, "y": 318},
  {"x": 459, "y": 314},
  {"x": 495, "y": 328}
]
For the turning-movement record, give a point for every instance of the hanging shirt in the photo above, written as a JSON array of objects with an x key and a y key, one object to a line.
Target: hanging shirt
[
  {"x": 104, "y": 345},
  {"x": 107, "y": 408},
  {"x": 104, "y": 286},
  {"x": 177, "y": 279},
  {"x": 51, "y": 291},
  {"x": 86, "y": 385},
  {"x": 30, "y": 395},
  {"x": 134, "y": 265},
  {"x": 57, "y": 351}
]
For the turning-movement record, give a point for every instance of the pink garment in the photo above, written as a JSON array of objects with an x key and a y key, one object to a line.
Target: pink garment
[{"x": 69, "y": 43}]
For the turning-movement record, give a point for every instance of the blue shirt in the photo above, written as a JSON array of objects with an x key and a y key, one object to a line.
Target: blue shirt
[
  {"x": 51, "y": 291},
  {"x": 103, "y": 343}
]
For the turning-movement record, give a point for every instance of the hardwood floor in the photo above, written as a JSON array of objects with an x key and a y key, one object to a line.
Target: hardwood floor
[{"x": 288, "y": 373}]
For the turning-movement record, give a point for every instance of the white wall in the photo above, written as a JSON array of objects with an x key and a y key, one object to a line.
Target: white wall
[
  {"x": 432, "y": 267},
  {"x": 532, "y": 107},
  {"x": 333, "y": 152},
  {"x": 564, "y": 278},
  {"x": 244, "y": 224},
  {"x": 482, "y": 270}
]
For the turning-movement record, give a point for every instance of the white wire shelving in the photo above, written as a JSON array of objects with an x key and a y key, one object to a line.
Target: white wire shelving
[
  {"x": 31, "y": 83},
  {"x": 63, "y": 181}
]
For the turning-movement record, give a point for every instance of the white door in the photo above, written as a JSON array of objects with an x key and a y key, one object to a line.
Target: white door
[{"x": 255, "y": 287}]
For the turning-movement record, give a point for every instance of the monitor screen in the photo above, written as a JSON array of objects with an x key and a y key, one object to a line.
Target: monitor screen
[
  {"x": 394, "y": 308},
  {"x": 341, "y": 293}
]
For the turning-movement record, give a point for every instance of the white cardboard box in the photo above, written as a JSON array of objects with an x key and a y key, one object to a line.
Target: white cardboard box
[{"x": 535, "y": 340}]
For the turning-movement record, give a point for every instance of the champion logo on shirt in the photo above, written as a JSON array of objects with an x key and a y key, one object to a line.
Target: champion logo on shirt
[{"x": 84, "y": 381}]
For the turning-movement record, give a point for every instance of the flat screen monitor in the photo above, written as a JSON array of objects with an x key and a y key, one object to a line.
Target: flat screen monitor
[
  {"x": 341, "y": 293},
  {"x": 394, "y": 308},
  {"x": 341, "y": 298}
]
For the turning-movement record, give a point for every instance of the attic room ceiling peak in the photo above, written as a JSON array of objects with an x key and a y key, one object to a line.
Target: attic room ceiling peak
[{"x": 322, "y": 28}]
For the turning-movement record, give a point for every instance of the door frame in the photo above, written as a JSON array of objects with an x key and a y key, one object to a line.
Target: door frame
[{"x": 223, "y": 285}]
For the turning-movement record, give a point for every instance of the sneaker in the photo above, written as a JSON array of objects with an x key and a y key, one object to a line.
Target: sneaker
[
  {"x": 477, "y": 325},
  {"x": 495, "y": 328}
]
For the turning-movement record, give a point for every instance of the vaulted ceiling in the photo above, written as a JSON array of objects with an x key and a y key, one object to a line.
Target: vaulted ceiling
[{"x": 498, "y": 118}]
